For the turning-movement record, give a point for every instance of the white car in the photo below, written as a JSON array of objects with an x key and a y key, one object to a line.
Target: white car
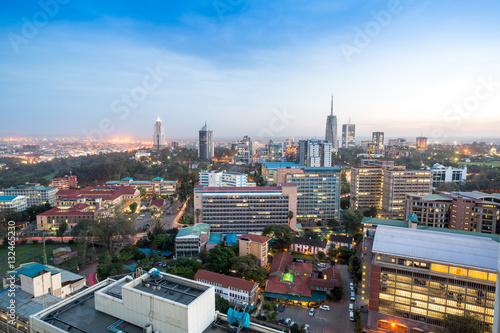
[
  {"x": 351, "y": 315},
  {"x": 306, "y": 328},
  {"x": 311, "y": 312},
  {"x": 353, "y": 297},
  {"x": 325, "y": 307},
  {"x": 351, "y": 307}
]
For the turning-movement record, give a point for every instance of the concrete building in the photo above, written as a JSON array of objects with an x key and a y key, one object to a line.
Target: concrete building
[
  {"x": 206, "y": 144},
  {"x": 309, "y": 245},
  {"x": 14, "y": 203},
  {"x": 156, "y": 186},
  {"x": 52, "y": 219},
  {"x": 64, "y": 183},
  {"x": 442, "y": 174},
  {"x": 378, "y": 143},
  {"x": 230, "y": 288},
  {"x": 35, "y": 193},
  {"x": 271, "y": 152},
  {"x": 269, "y": 170},
  {"x": 432, "y": 210},
  {"x": 413, "y": 277},
  {"x": 397, "y": 183},
  {"x": 421, "y": 143},
  {"x": 158, "y": 135},
  {"x": 366, "y": 187},
  {"x": 256, "y": 245},
  {"x": 318, "y": 191},
  {"x": 151, "y": 302},
  {"x": 339, "y": 241},
  {"x": 241, "y": 210},
  {"x": 331, "y": 130},
  {"x": 189, "y": 241},
  {"x": 222, "y": 179},
  {"x": 348, "y": 135},
  {"x": 244, "y": 151},
  {"x": 315, "y": 153}
]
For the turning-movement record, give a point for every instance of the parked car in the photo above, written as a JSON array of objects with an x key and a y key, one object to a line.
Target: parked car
[
  {"x": 311, "y": 312},
  {"x": 322, "y": 264},
  {"x": 351, "y": 315},
  {"x": 287, "y": 321},
  {"x": 325, "y": 307},
  {"x": 351, "y": 285},
  {"x": 282, "y": 308},
  {"x": 291, "y": 323},
  {"x": 306, "y": 328},
  {"x": 351, "y": 307},
  {"x": 282, "y": 320},
  {"x": 353, "y": 297}
]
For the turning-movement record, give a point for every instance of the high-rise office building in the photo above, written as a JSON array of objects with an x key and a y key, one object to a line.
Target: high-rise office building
[
  {"x": 348, "y": 135},
  {"x": 315, "y": 153},
  {"x": 244, "y": 150},
  {"x": 206, "y": 144},
  {"x": 378, "y": 141},
  {"x": 421, "y": 143},
  {"x": 158, "y": 135},
  {"x": 318, "y": 191},
  {"x": 331, "y": 129}
]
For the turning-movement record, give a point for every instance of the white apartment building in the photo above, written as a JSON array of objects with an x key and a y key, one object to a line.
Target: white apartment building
[
  {"x": 35, "y": 193},
  {"x": 16, "y": 203},
  {"x": 442, "y": 174},
  {"x": 223, "y": 179}
]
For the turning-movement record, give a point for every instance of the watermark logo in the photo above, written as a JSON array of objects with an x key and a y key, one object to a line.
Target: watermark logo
[
  {"x": 278, "y": 122},
  {"x": 223, "y": 7},
  {"x": 123, "y": 105},
  {"x": 31, "y": 27}
]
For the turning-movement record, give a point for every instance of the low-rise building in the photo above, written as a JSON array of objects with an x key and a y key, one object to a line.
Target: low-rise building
[
  {"x": 222, "y": 178},
  {"x": 340, "y": 241},
  {"x": 156, "y": 186},
  {"x": 230, "y": 288},
  {"x": 157, "y": 204},
  {"x": 442, "y": 174},
  {"x": 35, "y": 193},
  {"x": 14, "y": 203},
  {"x": 309, "y": 245},
  {"x": 256, "y": 245},
  {"x": 189, "y": 241},
  {"x": 53, "y": 218},
  {"x": 64, "y": 183}
]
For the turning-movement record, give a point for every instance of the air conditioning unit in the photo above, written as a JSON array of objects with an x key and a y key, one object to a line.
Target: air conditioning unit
[{"x": 148, "y": 328}]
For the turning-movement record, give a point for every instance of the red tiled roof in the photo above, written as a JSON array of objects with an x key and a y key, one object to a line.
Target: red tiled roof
[
  {"x": 299, "y": 286},
  {"x": 324, "y": 283},
  {"x": 63, "y": 193},
  {"x": 65, "y": 212},
  {"x": 332, "y": 273},
  {"x": 280, "y": 261},
  {"x": 224, "y": 280},
  {"x": 255, "y": 238},
  {"x": 302, "y": 268},
  {"x": 157, "y": 203}
]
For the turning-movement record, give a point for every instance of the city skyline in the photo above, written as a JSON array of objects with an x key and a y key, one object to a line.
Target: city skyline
[{"x": 413, "y": 74}]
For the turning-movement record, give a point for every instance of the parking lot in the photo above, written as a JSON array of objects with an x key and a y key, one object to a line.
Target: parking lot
[{"x": 334, "y": 321}]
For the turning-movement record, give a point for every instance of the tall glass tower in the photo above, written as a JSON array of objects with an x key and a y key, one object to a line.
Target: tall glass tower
[
  {"x": 158, "y": 135},
  {"x": 206, "y": 144},
  {"x": 331, "y": 129}
]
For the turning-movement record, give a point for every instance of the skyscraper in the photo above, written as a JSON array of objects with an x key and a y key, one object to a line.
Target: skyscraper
[
  {"x": 206, "y": 148},
  {"x": 158, "y": 135},
  {"x": 348, "y": 135},
  {"x": 315, "y": 153},
  {"x": 378, "y": 141},
  {"x": 331, "y": 129}
]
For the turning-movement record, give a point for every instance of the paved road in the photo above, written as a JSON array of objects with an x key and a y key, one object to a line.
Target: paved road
[
  {"x": 90, "y": 272},
  {"x": 172, "y": 220}
]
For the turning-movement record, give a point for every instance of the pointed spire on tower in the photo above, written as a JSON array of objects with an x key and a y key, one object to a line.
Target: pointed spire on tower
[
  {"x": 158, "y": 117},
  {"x": 332, "y": 107}
]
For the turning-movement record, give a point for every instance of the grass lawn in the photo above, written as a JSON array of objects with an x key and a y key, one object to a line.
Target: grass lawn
[
  {"x": 29, "y": 253},
  {"x": 298, "y": 255},
  {"x": 495, "y": 164},
  {"x": 50, "y": 176}
]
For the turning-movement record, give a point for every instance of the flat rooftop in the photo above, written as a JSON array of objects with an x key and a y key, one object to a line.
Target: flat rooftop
[
  {"x": 435, "y": 246},
  {"x": 81, "y": 316},
  {"x": 170, "y": 289}
]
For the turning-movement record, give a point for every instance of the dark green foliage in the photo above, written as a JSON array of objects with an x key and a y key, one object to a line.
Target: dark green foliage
[
  {"x": 371, "y": 212},
  {"x": 218, "y": 259},
  {"x": 337, "y": 293},
  {"x": 463, "y": 324},
  {"x": 284, "y": 236},
  {"x": 221, "y": 304},
  {"x": 352, "y": 221}
]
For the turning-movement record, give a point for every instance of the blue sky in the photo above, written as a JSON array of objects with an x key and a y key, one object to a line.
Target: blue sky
[{"x": 263, "y": 68}]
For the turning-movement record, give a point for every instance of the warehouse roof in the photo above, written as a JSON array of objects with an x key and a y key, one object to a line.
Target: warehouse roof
[{"x": 455, "y": 249}]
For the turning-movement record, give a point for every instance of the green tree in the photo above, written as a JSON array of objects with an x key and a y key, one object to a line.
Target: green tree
[
  {"x": 352, "y": 221},
  {"x": 333, "y": 224},
  {"x": 321, "y": 255},
  {"x": 61, "y": 230},
  {"x": 221, "y": 304},
  {"x": 337, "y": 293},
  {"x": 143, "y": 192},
  {"x": 371, "y": 212},
  {"x": 81, "y": 248},
  {"x": 218, "y": 259},
  {"x": 133, "y": 207},
  {"x": 283, "y": 235},
  {"x": 244, "y": 264},
  {"x": 467, "y": 323},
  {"x": 290, "y": 215}
]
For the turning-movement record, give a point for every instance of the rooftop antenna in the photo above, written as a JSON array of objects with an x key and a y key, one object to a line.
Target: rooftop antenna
[{"x": 332, "y": 107}]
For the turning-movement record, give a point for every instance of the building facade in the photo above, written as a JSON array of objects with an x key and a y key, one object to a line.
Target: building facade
[
  {"x": 35, "y": 193},
  {"x": 309, "y": 245},
  {"x": 409, "y": 288},
  {"x": 421, "y": 143},
  {"x": 269, "y": 171},
  {"x": 315, "y": 153},
  {"x": 396, "y": 183},
  {"x": 158, "y": 135},
  {"x": 241, "y": 210},
  {"x": 256, "y": 245},
  {"x": 222, "y": 178},
  {"x": 16, "y": 203},
  {"x": 442, "y": 174},
  {"x": 206, "y": 144},
  {"x": 156, "y": 186},
  {"x": 244, "y": 151},
  {"x": 432, "y": 210},
  {"x": 331, "y": 129},
  {"x": 64, "y": 183},
  {"x": 366, "y": 187},
  {"x": 189, "y": 241},
  {"x": 318, "y": 191},
  {"x": 377, "y": 143},
  {"x": 348, "y": 135},
  {"x": 233, "y": 289}
]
